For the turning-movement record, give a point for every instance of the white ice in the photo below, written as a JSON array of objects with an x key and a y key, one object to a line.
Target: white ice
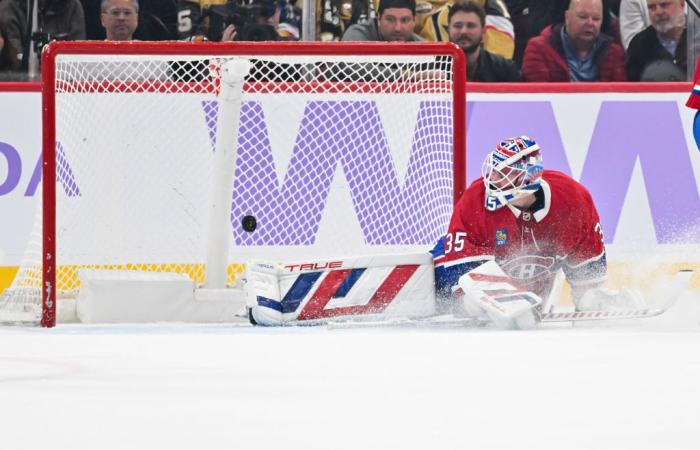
[{"x": 234, "y": 387}]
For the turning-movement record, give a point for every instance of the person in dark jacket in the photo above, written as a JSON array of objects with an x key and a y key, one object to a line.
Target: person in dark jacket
[
  {"x": 58, "y": 19},
  {"x": 659, "y": 52},
  {"x": 466, "y": 22},
  {"x": 575, "y": 50}
]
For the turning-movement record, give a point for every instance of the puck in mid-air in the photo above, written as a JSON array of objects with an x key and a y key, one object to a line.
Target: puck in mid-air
[{"x": 249, "y": 223}]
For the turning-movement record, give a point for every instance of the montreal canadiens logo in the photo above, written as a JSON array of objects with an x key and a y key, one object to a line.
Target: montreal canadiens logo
[{"x": 527, "y": 267}]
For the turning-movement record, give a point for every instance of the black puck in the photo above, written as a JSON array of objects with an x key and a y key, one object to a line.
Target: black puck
[{"x": 249, "y": 224}]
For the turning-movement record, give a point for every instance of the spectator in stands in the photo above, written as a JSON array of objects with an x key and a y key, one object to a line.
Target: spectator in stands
[
  {"x": 157, "y": 20},
  {"x": 57, "y": 19},
  {"x": 499, "y": 36},
  {"x": 466, "y": 22},
  {"x": 262, "y": 24},
  {"x": 120, "y": 19},
  {"x": 93, "y": 15},
  {"x": 634, "y": 17},
  {"x": 551, "y": 12},
  {"x": 225, "y": 20},
  {"x": 395, "y": 22},
  {"x": 575, "y": 50},
  {"x": 658, "y": 53},
  {"x": 3, "y": 57}
]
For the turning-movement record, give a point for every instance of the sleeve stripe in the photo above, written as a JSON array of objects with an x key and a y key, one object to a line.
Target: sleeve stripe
[
  {"x": 588, "y": 281},
  {"x": 439, "y": 261},
  {"x": 588, "y": 261},
  {"x": 501, "y": 24}
]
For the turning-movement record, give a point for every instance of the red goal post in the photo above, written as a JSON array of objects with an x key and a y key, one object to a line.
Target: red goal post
[{"x": 395, "y": 89}]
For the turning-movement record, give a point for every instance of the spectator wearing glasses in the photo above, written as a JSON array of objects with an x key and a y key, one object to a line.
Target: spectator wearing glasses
[{"x": 120, "y": 19}]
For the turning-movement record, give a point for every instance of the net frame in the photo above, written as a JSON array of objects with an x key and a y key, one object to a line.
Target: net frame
[{"x": 52, "y": 51}]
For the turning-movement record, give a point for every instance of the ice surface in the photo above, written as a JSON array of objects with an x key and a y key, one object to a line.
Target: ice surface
[{"x": 235, "y": 387}]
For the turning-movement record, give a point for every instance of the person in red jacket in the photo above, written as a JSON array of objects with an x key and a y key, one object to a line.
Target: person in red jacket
[{"x": 575, "y": 50}]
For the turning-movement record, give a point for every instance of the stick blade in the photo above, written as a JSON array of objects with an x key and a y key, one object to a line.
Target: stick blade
[{"x": 663, "y": 299}]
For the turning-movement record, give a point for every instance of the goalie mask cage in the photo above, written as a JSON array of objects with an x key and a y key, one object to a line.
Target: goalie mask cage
[{"x": 195, "y": 157}]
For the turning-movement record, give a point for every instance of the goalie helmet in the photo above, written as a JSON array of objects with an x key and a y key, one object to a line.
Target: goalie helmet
[{"x": 513, "y": 169}]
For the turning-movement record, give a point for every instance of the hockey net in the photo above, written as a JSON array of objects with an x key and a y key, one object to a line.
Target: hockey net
[{"x": 340, "y": 149}]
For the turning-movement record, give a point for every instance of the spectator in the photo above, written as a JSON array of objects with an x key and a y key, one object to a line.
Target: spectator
[
  {"x": 466, "y": 23},
  {"x": 225, "y": 20},
  {"x": 4, "y": 56},
  {"x": 263, "y": 23},
  {"x": 634, "y": 17},
  {"x": 157, "y": 21},
  {"x": 120, "y": 19},
  {"x": 395, "y": 22},
  {"x": 575, "y": 50},
  {"x": 57, "y": 19},
  {"x": 93, "y": 28},
  {"x": 499, "y": 37},
  {"x": 658, "y": 53},
  {"x": 551, "y": 12}
]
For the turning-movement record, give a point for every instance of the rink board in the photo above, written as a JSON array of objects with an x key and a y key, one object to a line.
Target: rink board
[{"x": 647, "y": 194}]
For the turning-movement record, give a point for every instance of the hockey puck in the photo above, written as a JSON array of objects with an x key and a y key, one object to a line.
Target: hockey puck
[{"x": 249, "y": 224}]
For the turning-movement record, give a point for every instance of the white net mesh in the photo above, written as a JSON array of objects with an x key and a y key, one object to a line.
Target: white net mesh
[{"x": 336, "y": 155}]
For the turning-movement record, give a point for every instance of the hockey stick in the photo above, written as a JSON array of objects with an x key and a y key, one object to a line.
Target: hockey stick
[
  {"x": 678, "y": 286},
  {"x": 443, "y": 321}
]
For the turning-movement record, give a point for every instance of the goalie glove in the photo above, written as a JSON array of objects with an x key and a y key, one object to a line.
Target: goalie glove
[
  {"x": 605, "y": 299},
  {"x": 488, "y": 292}
]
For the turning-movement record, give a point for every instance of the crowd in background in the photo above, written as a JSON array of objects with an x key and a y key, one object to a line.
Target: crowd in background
[{"x": 504, "y": 40}]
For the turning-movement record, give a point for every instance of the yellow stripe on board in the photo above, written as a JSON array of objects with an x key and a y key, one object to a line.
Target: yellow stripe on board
[
  {"x": 633, "y": 276},
  {"x": 7, "y": 274},
  {"x": 67, "y": 276}
]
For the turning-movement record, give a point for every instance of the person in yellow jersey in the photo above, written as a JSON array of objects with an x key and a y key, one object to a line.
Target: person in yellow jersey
[{"x": 190, "y": 23}]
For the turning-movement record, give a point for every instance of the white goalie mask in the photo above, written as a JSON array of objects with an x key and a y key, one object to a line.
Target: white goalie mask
[{"x": 512, "y": 170}]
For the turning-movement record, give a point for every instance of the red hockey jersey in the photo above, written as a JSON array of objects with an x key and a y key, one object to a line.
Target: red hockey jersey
[
  {"x": 694, "y": 99},
  {"x": 530, "y": 246}
]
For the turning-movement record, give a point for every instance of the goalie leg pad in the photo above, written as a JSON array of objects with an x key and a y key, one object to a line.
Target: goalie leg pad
[
  {"x": 263, "y": 293},
  {"x": 381, "y": 286}
]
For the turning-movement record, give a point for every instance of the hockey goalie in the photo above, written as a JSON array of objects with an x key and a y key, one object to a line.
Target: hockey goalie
[{"x": 510, "y": 235}]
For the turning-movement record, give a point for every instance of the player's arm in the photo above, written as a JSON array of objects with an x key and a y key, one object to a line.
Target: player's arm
[
  {"x": 462, "y": 249},
  {"x": 499, "y": 34},
  {"x": 453, "y": 256},
  {"x": 586, "y": 268}
]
